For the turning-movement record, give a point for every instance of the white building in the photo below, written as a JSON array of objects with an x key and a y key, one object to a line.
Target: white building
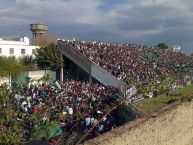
[
  {"x": 17, "y": 47},
  {"x": 177, "y": 48}
]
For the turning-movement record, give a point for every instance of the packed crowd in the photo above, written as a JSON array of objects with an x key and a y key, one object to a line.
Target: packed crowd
[
  {"x": 131, "y": 60},
  {"x": 69, "y": 103},
  {"x": 71, "y": 97},
  {"x": 83, "y": 104}
]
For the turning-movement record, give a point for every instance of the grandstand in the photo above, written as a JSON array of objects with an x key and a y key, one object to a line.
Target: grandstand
[
  {"x": 113, "y": 64},
  {"x": 94, "y": 71},
  {"x": 96, "y": 95}
]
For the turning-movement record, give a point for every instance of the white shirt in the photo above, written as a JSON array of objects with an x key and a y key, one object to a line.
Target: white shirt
[{"x": 70, "y": 111}]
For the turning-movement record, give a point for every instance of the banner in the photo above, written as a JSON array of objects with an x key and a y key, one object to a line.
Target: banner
[
  {"x": 130, "y": 92},
  {"x": 58, "y": 85}
]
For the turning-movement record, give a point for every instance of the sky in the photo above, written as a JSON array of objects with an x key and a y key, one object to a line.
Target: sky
[{"x": 147, "y": 22}]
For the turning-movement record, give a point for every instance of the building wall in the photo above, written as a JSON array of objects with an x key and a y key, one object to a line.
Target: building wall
[
  {"x": 173, "y": 126},
  {"x": 23, "y": 43},
  {"x": 34, "y": 75}
]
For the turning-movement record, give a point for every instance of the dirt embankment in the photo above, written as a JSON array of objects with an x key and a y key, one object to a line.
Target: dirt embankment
[{"x": 171, "y": 126}]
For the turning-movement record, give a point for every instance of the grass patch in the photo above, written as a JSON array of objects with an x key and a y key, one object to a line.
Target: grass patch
[{"x": 156, "y": 103}]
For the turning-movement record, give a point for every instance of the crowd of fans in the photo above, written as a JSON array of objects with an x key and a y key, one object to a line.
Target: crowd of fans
[
  {"x": 133, "y": 61},
  {"x": 69, "y": 103},
  {"x": 69, "y": 98},
  {"x": 74, "y": 93},
  {"x": 83, "y": 104}
]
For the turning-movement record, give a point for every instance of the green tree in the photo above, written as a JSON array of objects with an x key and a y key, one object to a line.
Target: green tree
[
  {"x": 9, "y": 66},
  {"x": 29, "y": 62},
  {"x": 162, "y": 46},
  {"x": 45, "y": 78},
  {"x": 48, "y": 57}
]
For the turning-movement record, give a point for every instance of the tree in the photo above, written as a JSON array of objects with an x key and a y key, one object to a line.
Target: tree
[
  {"x": 162, "y": 46},
  {"x": 45, "y": 78},
  {"x": 48, "y": 57},
  {"x": 9, "y": 66},
  {"x": 29, "y": 62}
]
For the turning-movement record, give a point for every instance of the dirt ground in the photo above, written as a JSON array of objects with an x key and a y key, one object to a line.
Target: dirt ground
[{"x": 170, "y": 126}]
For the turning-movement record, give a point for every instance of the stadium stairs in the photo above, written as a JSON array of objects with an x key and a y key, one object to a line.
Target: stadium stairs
[{"x": 94, "y": 70}]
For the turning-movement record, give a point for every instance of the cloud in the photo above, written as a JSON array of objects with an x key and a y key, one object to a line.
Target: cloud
[
  {"x": 137, "y": 21},
  {"x": 144, "y": 20}
]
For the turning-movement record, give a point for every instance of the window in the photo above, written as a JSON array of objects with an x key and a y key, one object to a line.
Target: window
[
  {"x": 22, "y": 51},
  {"x": 11, "y": 51},
  {"x": 33, "y": 51},
  {"x": 0, "y": 50}
]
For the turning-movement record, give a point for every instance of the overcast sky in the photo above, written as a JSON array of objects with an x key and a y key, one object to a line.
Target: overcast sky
[{"x": 134, "y": 21}]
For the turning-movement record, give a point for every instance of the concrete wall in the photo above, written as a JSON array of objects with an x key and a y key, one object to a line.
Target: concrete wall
[
  {"x": 75, "y": 56},
  {"x": 171, "y": 127},
  {"x": 105, "y": 77},
  {"x": 37, "y": 75},
  {"x": 34, "y": 75}
]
